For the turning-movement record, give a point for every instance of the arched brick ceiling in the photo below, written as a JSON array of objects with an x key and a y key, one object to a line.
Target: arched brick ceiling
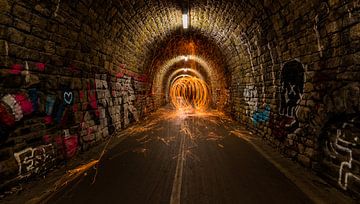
[
  {"x": 203, "y": 56},
  {"x": 142, "y": 28}
]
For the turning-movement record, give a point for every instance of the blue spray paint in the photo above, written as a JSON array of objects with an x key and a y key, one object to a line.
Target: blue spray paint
[
  {"x": 33, "y": 95},
  {"x": 50, "y": 102},
  {"x": 261, "y": 116},
  {"x": 60, "y": 114}
]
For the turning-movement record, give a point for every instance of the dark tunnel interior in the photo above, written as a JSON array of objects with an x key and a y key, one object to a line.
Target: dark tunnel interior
[{"x": 77, "y": 76}]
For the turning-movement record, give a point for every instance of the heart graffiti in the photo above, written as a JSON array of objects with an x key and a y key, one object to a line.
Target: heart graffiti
[{"x": 68, "y": 97}]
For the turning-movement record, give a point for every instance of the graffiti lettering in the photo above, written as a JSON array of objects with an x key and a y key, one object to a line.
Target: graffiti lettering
[
  {"x": 340, "y": 146},
  {"x": 251, "y": 98},
  {"x": 35, "y": 160}
]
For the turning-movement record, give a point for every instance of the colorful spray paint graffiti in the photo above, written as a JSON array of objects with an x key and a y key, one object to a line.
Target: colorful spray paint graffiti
[
  {"x": 135, "y": 76},
  {"x": 261, "y": 116},
  {"x": 79, "y": 116}
]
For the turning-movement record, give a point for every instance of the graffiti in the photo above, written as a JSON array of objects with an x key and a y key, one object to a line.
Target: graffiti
[
  {"x": 49, "y": 107},
  {"x": 75, "y": 108},
  {"x": 57, "y": 8},
  {"x": 68, "y": 97},
  {"x": 319, "y": 18},
  {"x": 292, "y": 85},
  {"x": 26, "y": 73},
  {"x": 107, "y": 103},
  {"x": 40, "y": 66},
  {"x": 129, "y": 97},
  {"x": 70, "y": 143},
  {"x": 341, "y": 148},
  {"x": 35, "y": 160},
  {"x": 34, "y": 98},
  {"x": 16, "y": 69},
  {"x": 103, "y": 93},
  {"x": 272, "y": 65},
  {"x": 281, "y": 126},
  {"x": 81, "y": 95},
  {"x": 18, "y": 104},
  {"x": 261, "y": 116},
  {"x": 250, "y": 95},
  {"x": 245, "y": 41},
  {"x": 122, "y": 72},
  {"x": 92, "y": 99}
]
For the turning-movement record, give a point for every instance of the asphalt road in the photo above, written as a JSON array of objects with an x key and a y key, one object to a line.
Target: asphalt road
[{"x": 176, "y": 158}]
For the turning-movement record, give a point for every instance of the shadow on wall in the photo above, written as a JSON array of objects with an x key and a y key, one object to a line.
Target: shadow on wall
[{"x": 46, "y": 119}]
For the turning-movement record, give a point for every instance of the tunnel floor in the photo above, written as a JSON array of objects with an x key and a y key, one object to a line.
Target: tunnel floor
[{"x": 183, "y": 158}]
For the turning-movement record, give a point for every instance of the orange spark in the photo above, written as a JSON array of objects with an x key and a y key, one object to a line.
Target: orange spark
[{"x": 190, "y": 93}]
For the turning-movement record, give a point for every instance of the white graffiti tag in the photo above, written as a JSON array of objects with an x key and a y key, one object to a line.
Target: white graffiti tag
[
  {"x": 342, "y": 149},
  {"x": 34, "y": 160},
  {"x": 251, "y": 98},
  {"x": 129, "y": 96}
]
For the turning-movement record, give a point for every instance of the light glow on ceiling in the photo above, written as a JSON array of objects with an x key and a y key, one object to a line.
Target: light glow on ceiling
[{"x": 185, "y": 18}]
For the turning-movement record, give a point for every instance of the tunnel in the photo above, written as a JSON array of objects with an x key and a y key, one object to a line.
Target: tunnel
[{"x": 179, "y": 101}]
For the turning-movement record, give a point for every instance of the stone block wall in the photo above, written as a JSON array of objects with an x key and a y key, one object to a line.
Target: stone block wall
[
  {"x": 62, "y": 89},
  {"x": 296, "y": 84},
  {"x": 289, "y": 71}
]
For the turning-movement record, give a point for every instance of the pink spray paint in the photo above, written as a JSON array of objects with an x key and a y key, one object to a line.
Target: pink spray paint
[
  {"x": 40, "y": 66},
  {"x": 16, "y": 69}
]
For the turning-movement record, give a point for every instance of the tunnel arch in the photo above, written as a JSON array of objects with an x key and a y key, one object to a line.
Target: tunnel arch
[
  {"x": 86, "y": 51},
  {"x": 178, "y": 72}
]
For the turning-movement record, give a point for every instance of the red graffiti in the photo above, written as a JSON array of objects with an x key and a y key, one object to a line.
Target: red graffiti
[
  {"x": 119, "y": 75},
  {"x": 25, "y": 103},
  {"x": 279, "y": 126},
  {"x": 40, "y": 66},
  {"x": 132, "y": 74},
  {"x": 6, "y": 117},
  {"x": 16, "y": 69},
  {"x": 67, "y": 145},
  {"x": 71, "y": 144},
  {"x": 46, "y": 139},
  {"x": 92, "y": 97},
  {"x": 122, "y": 66},
  {"x": 81, "y": 95},
  {"x": 58, "y": 141},
  {"x": 48, "y": 120},
  {"x": 75, "y": 108},
  {"x": 89, "y": 131}
]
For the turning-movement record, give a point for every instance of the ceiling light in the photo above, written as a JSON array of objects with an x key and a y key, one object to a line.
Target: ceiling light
[
  {"x": 186, "y": 58},
  {"x": 185, "y": 18}
]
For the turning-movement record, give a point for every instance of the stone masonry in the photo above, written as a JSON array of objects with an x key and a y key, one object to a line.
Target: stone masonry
[{"x": 73, "y": 72}]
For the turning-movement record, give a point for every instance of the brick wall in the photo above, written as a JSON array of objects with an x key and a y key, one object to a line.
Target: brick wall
[
  {"x": 287, "y": 70},
  {"x": 63, "y": 85}
]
